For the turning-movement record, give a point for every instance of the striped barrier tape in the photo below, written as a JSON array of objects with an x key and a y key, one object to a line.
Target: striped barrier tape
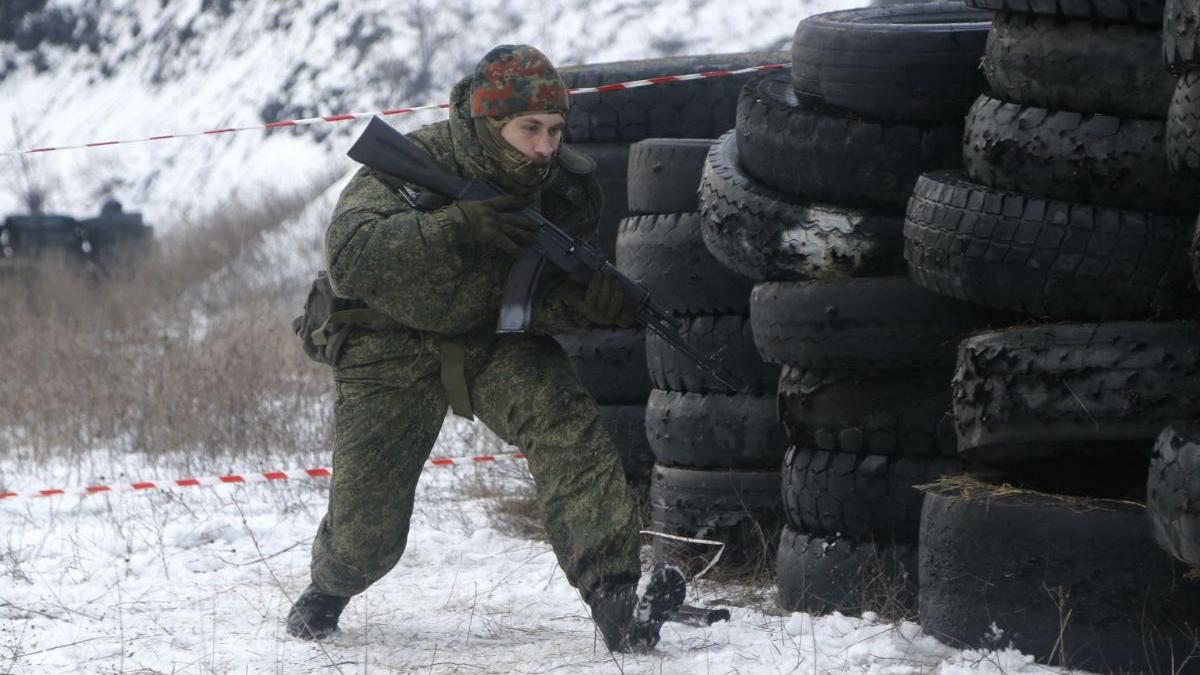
[
  {"x": 260, "y": 477},
  {"x": 326, "y": 119}
]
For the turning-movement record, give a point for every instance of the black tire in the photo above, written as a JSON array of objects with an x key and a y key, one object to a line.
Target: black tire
[
  {"x": 612, "y": 167},
  {"x": 1181, "y": 34},
  {"x": 1021, "y": 393},
  {"x": 664, "y": 174},
  {"x": 1045, "y": 258},
  {"x": 1196, "y": 255},
  {"x": 738, "y": 508},
  {"x": 1149, "y": 12},
  {"x": 1183, "y": 124},
  {"x": 714, "y": 431},
  {"x": 1079, "y": 65},
  {"x": 856, "y": 495},
  {"x": 1095, "y": 159},
  {"x": 1173, "y": 491},
  {"x": 882, "y": 323},
  {"x": 765, "y": 234},
  {"x": 666, "y": 253},
  {"x": 611, "y": 363},
  {"x": 1044, "y": 568},
  {"x": 905, "y": 62},
  {"x": 626, "y": 426},
  {"x": 697, "y": 109},
  {"x": 891, "y": 413},
  {"x": 822, "y": 575},
  {"x": 671, "y": 370},
  {"x": 804, "y": 147}
]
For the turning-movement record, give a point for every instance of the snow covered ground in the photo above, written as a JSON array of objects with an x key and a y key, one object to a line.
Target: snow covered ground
[{"x": 198, "y": 580}]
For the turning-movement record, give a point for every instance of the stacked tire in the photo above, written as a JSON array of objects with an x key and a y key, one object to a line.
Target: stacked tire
[
  {"x": 717, "y": 451},
  {"x": 604, "y": 126},
  {"x": 1065, "y": 210},
  {"x": 806, "y": 197},
  {"x": 612, "y": 362},
  {"x": 1173, "y": 487},
  {"x": 1181, "y": 51}
]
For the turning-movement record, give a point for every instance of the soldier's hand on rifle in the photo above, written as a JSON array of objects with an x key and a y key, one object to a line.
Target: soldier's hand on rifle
[
  {"x": 604, "y": 302},
  {"x": 494, "y": 222}
]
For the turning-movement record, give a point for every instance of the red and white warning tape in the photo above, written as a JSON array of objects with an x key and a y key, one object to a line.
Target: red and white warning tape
[
  {"x": 262, "y": 477},
  {"x": 602, "y": 89}
]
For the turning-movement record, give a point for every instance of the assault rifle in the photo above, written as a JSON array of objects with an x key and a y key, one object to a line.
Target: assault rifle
[{"x": 385, "y": 149}]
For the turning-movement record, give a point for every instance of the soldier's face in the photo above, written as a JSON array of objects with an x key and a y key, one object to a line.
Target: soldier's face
[{"x": 535, "y": 135}]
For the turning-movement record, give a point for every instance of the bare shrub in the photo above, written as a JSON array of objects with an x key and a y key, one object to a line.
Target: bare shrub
[{"x": 187, "y": 349}]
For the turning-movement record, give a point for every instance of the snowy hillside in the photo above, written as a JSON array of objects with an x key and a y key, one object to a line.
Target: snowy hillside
[{"x": 80, "y": 71}]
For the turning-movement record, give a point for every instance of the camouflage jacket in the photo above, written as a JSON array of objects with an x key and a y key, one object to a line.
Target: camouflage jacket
[{"x": 416, "y": 267}]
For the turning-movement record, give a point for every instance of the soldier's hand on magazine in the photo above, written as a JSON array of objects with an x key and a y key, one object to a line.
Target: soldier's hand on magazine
[
  {"x": 495, "y": 222},
  {"x": 604, "y": 302}
]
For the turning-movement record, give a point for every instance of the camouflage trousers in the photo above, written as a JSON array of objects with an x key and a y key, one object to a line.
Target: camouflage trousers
[{"x": 389, "y": 410}]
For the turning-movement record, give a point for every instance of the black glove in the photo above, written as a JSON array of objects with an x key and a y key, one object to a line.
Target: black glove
[
  {"x": 492, "y": 222},
  {"x": 604, "y": 302}
]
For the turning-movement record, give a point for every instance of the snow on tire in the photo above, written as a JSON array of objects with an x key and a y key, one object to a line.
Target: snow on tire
[
  {"x": 1079, "y": 65},
  {"x": 1053, "y": 390},
  {"x": 1073, "y": 581},
  {"x": 697, "y": 109},
  {"x": 1045, "y": 258},
  {"x": 1173, "y": 491},
  {"x": 815, "y": 150},
  {"x": 821, "y": 575},
  {"x": 714, "y": 431},
  {"x": 881, "y": 323},
  {"x": 671, "y": 370},
  {"x": 766, "y": 234},
  {"x": 1095, "y": 159},
  {"x": 906, "y": 62},
  {"x": 664, "y": 174},
  {"x": 898, "y": 413},
  {"x": 665, "y": 252},
  {"x": 738, "y": 508}
]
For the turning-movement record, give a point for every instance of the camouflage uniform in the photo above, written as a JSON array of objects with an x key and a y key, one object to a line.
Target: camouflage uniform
[{"x": 391, "y": 385}]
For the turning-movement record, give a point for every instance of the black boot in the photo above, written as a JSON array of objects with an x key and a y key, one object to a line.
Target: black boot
[
  {"x": 315, "y": 614},
  {"x": 629, "y": 623}
]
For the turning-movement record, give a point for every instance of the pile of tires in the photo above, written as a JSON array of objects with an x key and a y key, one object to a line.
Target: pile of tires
[
  {"x": 716, "y": 451},
  {"x": 1067, "y": 215},
  {"x": 806, "y": 196},
  {"x": 1173, "y": 487},
  {"x": 604, "y": 126},
  {"x": 612, "y": 362}
]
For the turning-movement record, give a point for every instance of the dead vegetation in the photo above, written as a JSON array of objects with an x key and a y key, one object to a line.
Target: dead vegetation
[{"x": 187, "y": 350}]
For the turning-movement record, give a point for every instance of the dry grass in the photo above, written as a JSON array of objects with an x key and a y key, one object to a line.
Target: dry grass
[
  {"x": 974, "y": 487},
  {"x": 188, "y": 350}
]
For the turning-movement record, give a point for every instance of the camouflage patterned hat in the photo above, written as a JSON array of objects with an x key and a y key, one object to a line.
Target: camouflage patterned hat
[{"x": 514, "y": 79}]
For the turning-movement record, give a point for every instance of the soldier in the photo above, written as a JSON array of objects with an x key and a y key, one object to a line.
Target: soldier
[{"x": 435, "y": 277}]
